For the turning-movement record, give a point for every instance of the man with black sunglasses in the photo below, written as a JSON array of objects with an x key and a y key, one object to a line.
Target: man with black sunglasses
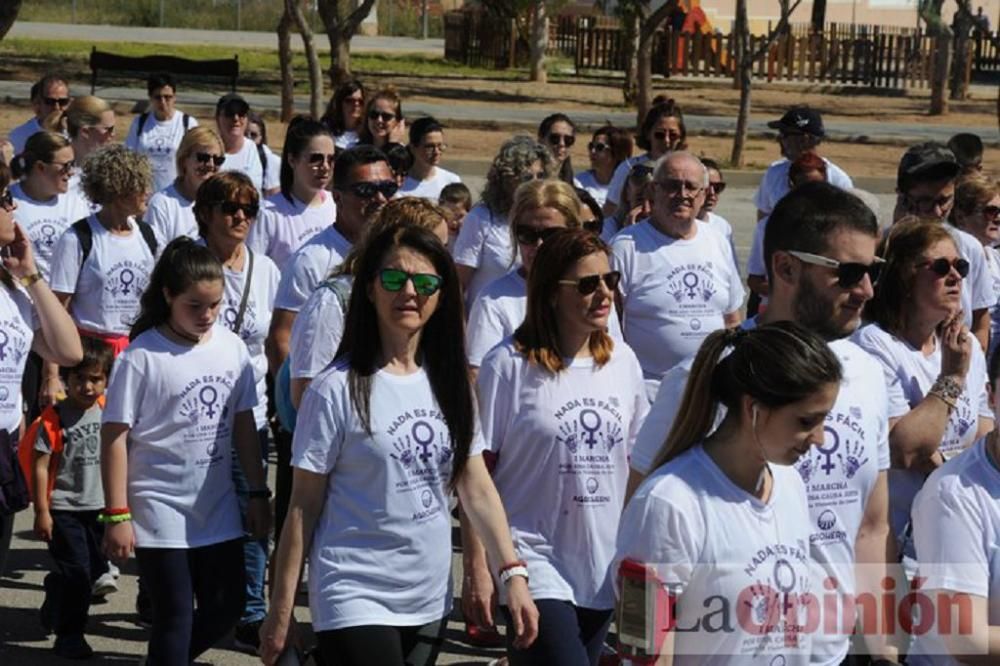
[
  {"x": 925, "y": 188},
  {"x": 48, "y": 95},
  {"x": 819, "y": 249}
]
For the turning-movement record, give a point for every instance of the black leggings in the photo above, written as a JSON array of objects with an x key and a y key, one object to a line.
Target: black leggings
[
  {"x": 380, "y": 645},
  {"x": 567, "y": 634},
  {"x": 177, "y": 577}
]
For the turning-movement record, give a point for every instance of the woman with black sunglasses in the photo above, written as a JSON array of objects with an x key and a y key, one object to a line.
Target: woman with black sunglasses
[
  {"x": 935, "y": 370},
  {"x": 609, "y": 146},
  {"x": 558, "y": 132},
  {"x": 171, "y": 210},
  {"x": 303, "y": 207},
  {"x": 344, "y": 115},
  {"x": 383, "y": 436},
  {"x": 561, "y": 406},
  {"x": 383, "y": 121}
]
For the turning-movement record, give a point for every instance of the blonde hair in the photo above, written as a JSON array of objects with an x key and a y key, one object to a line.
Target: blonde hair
[
  {"x": 115, "y": 171},
  {"x": 194, "y": 137},
  {"x": 549, "y": 193},
  {"x": 972, "y": 192},
  {"x": 83, "y": 112}
]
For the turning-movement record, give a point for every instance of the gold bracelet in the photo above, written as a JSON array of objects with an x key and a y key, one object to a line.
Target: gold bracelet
[{"x": 29, "y": 280}]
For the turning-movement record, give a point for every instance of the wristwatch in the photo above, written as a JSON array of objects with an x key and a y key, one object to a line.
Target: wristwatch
[{"x": 29, "y": 280}]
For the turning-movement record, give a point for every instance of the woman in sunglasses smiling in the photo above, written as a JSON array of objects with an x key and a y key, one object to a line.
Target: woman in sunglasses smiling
[
  {"x": 383, "y": 120},
  {"x": 558, "y": 132},
  {"x": 171, "y": 210},
  {"x": 977, "y": 212},
  {"x": 609, "y": 146},
  {"x": 383, "y": 436},
  {"x": 561, "y": 406},
  {"x": 935, "y": 370},
  {"x": 303, "y": 207}
]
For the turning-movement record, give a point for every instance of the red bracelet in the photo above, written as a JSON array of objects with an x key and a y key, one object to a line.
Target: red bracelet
[
  {"x": 117, "y": 512},
  {"x": 511, "y": 565}
]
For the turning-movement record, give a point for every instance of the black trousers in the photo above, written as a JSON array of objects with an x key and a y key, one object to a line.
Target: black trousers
[{"x": 76, "y": 551}]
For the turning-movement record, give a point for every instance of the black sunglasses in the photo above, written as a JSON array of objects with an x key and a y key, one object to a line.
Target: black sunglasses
[
  {"x": 233, "y": 207},
  {"x": 593, "y": 226},
  {"x": 316, "y": 159},
  {"x": 588, "y": 285},
  {"x": 205, "y": 158},
  {"x": 555, "y": 139},
  {"x": 368, "y": 189},
  {"x": 7, "y": 200},
  {"x": 849, "y": 273},
  {"x": 942, "y": 267},
  {"x": 717, "y": 188},
  {"x": 381, "y": 115},
  {"x": 425, "y": 284},
  {"x": 531, "y": 236},
  {"x": 597, "y": 146},
  {"x": 56, "y": 101}
]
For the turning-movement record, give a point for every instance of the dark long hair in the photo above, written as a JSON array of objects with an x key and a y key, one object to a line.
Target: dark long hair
[
  {"x": 442, "y": 342},
  {"x": 566, "y": 168},
  {"x": 301, "y": 131},
  {"x": 183, "y": 263},
  {"x": 6, "y": 279},
  {"x": 668, "y": 108},
  {"x": 776, "y": 364},
  {"x": 333, "y": 118}
]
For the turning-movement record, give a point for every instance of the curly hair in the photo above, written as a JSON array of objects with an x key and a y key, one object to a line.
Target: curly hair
[
  {"x": 114, "y": 172},
  {"x": 513, "y": 160}
]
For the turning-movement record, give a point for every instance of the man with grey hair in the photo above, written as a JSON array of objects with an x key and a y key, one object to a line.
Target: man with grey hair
[{"x": 679, "y": 281}]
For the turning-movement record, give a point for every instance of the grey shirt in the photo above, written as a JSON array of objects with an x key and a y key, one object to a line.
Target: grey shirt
[{"x": 78, "y": 478}]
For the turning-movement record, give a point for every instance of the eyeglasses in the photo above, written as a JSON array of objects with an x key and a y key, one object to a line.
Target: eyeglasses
[
  {"x": 56, "y": 101},
  {"x": 531, "y": 236},
  {"x": 368, "y": 189},
  {"x": 717, "y": 188},
  {"x": 205, "y": 158},
  {"x": 64, "y": 168},
  {"x": 674, "y": 185},
  {"x": 316, "y": 160},
  {"x": 434, "y": 147},
  {"x": 588, "y": 284},
  {"x": 942, "y": 266},
  {"x": 354, "y": 101},
  {"x": 849, "y": 273},
  {"x": 106, "y": 130},
  {"x": 233, "y": 207},
  {"x": 425, "y": 284},
  {"x": 597, "y": 147},
  {"x": 253, "y": 136},
  {"x": 662, "y": 136},
  {"x": 384, "y": 116},
  {"x": 593, "y": 226},
  {"x": 7, "y": 200},
  {"x": 555, "y": 139}
]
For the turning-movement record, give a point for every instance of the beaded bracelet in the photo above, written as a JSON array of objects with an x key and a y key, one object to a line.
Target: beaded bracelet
[
  {"x": 114, "y": 519},
  {"x": 116, "y": 512}
]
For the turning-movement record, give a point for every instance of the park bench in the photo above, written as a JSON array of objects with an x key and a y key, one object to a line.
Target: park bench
[{"x": 184, "y": 69}]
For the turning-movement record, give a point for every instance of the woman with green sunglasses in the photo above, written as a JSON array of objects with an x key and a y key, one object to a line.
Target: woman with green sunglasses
[{"x": 383, "y": 436}]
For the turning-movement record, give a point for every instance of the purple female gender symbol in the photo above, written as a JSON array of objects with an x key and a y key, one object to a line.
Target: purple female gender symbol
[
  {"x": 126, "y": 277},
  {"x": 229, "y": 315},
  {"x": 690, "y": 280},
  {"x": 590, "y": 428},
  {"x": 423, "y": 440},
  {"x": 828, "y": 466},
  {"x": 48, "y": 235},
  {"x": 786, "y": 590},
  {"x": 208, "y": 395}
]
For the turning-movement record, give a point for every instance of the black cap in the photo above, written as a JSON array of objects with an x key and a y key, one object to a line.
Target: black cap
[
  {"x": 800, "y": 119},
  {"x": 927, "y": 161},
  {"x": 232, "y": 103}
]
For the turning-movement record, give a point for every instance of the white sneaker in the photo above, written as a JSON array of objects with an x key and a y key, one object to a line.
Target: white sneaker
[
  {"x": 104, "y": 585},
  {"x": 114, "y": 570}
]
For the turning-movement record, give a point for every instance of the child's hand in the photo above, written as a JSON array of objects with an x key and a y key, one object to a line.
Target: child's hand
[
  {"x": 43, "y": 525},
  {"x": 119, "y": 541}
]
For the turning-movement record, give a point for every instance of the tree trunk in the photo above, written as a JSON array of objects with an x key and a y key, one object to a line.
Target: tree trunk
[
  {"x": 939, "y": 74},
  {"x": 960, "y": 67},
  {"x": 744, "y": 79},
  {"x": 340, "y": 59},
  {"x": 630, "y": 42},
  {"x": 539, "y": 40},
  {"x": 285, "y": 67},
  {"x": 644, "y": 57},
  {"x": 818, "y": 16},
  {"x": 315, "y": 71},
  {"x": 341, "y": 20},
  {"x": 8, "y": 14}
]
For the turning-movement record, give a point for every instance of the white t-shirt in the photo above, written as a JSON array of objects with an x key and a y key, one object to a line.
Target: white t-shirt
[
  {"x": 617, "y": 185},
  {"x": 317, "y": 330},
  {"x": 272, "y": 176},
  {"x": 722, "y": 226},
  {"x": 20, "y": 134},
  {"x": 247, "y": 161},
  {"x": 107, "y": 289},
  {"x": 483, "y": 243},
  {"x": 75, "y": 188},
  {"x": 774, "y": 185},
  {"x": 431, "y": 188},
  {"x": 348, "y": 139},
  {"x": 956, "y": 526},
  {"x": 381, "y": 551},
  {"x": 909, "y": 376},
  {"x": 588, "y": 181},
  {"x": 18, "y": 323},
  {"x": 500, "y": 309},
  {"x": 313, "y": 263},
  {"x": 993, "y": 270},
  {"x": 977, "y": 288},
  {"x": 180, "y": 403},
  {"x": 674, "y": 293},
  {"x": 45, "y": 221},
  {"x": 256, "y": 319},
  {"x": 171, "y": 215},
  {"x": 716, "y": 547},
  {"x": 159, "y": 141},
  {"x": 283, "y": 226},
  {"x": 562, "y": 443}
]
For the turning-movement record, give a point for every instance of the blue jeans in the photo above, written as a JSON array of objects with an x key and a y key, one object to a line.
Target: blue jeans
[
  {"x": 254, "y": 551},
  {"x": 567, "y": 634}
]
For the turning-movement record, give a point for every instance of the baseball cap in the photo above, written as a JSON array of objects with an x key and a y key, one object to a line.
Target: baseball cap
[
  {"x": 800, "y": 119},
  {"x": 931, "y": 161},
  {"x": 232, "y": 103}
]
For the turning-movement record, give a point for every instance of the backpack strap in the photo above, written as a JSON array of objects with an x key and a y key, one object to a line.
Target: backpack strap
[
  {"x": 238, "y": 322},
  {"x": 85, "y": 236},
  {"x": 142, "y": 124},
  {"x": 149, "y": 236},
  {"x": 263, "y": 163},
  {"x": 340, "y": 287},
  {"x": 50, "y": 423},
  {"x": 187, "y": 121}
]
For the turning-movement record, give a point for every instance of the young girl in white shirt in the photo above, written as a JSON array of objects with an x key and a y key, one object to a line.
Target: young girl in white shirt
[
  {"x": 723, "y": 524},
  {"x": 180, "y": 398}
]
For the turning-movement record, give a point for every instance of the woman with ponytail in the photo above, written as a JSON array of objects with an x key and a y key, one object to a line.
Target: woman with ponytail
[
  {"x": 180, "y": 398},
  {"x": 303, "y": 207},
  {"x": 90, "y": 124},
  {"x": 724, "y": 519}
]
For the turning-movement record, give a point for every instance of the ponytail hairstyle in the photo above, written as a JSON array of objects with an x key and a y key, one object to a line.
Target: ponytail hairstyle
[
  {"x": 538, "y": 336},
  {"x": 301, "y": 131},
  {"x": 776, "y": 364},
  {"x": 442, "y": 341},
  {"x": 84, "y": 112},
  {"x": 183, "y": 263},
  {"x": 6, "y": 279},
  {"x": 40, "y": 147}
]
